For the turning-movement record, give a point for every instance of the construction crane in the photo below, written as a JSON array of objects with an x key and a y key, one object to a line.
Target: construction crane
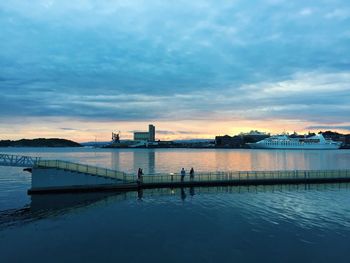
[{"x": 116, "y": 137}]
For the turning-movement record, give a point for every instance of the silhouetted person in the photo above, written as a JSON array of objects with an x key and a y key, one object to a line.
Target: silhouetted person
[
  {"x": 192, "y": 174},
  {"x": 183, "y": 174},
  {"x": 139, "y": 176}
]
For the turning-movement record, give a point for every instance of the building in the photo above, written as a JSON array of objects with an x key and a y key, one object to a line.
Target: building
[
  {"x": 149, "y": 136},
  {"x": 227, "y": 141},
  {"x": 254, "y": 136},
  {"x": 141, "y": 136},
  {"x": 152, "y": 133},
  {"x": 239, "y": 141}
]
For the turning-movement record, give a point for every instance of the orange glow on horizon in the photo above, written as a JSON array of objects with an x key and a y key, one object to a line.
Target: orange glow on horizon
[{"x": 83, "y": 131}]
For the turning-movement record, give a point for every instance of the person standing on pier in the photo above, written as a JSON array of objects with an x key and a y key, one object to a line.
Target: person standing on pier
[
  {"x": 183, "y": 174},
  {"x": 192, "y": 174},
  {"x": 139, "y": 176}
]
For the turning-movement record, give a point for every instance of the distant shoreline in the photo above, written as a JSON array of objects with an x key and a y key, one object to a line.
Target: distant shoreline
[
  {"x": 216, "y": 148},
  {"x": 40, "y": 142},
  {"x": 63, "y": 143}
]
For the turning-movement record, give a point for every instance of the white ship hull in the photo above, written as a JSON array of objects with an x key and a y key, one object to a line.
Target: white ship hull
[{"x": 294, "y": 147}]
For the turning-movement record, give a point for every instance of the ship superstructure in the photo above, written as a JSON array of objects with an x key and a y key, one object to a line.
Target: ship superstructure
[{"x": 285, "y": 142}]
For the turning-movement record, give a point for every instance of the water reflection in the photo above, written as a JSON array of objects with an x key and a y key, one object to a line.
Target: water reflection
[
  {"x": 145, "y": 160},
  {"x": 192, "y": 192},
  {"x": 183, "y": 194},
  {"x": 288, "y": 200},
  {"x": 172, "y": 160},
  {"x": 131, "y": 161},
  {"x": 48, "y": 205},
  {"x": 217, "y": 224}
]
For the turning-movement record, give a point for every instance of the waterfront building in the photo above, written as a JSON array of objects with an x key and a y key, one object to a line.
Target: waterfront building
[
  {"x": 239, "y": 141},
  {"x": 227, "y": 141},
  {"x": 146, "y": 136},
  {"x": 254, "y": 136},
  {"x": 141, "y": 136}
]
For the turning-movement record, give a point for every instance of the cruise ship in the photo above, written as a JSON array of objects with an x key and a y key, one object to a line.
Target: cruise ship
[{"x": 317, "y": 142}]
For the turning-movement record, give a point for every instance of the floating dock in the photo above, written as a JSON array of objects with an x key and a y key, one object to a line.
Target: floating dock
[{"x": 56, "y": 176}]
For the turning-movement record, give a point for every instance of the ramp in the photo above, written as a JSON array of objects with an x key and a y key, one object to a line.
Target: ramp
[
  {"x": 86, "y": 169},
  {"x": 18, "y": 160}
]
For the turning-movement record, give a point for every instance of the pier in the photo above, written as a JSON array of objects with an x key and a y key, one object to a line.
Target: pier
[{"x": 56, "y": 176}]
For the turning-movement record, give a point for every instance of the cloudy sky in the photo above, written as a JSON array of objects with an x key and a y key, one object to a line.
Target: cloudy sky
[{"x": 80, "y": 69}]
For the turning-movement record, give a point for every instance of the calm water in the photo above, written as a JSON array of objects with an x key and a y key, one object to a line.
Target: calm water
[{"x": 226, "y": 224}]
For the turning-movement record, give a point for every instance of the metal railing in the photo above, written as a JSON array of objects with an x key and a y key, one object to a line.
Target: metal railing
[
  {"x": 246, "y": 175},
  {"x": 218, "y": 176},
  {"x": 87, "y": 169},
  {"x": 198, "y": 177},
  {"x": 17, "y": 160}
]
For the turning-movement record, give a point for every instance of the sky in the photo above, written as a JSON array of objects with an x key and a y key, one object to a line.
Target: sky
[{"x": 82, "y": 69}]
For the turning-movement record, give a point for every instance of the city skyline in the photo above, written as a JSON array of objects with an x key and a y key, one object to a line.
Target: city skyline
[{"x": 80, "y": 70}]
